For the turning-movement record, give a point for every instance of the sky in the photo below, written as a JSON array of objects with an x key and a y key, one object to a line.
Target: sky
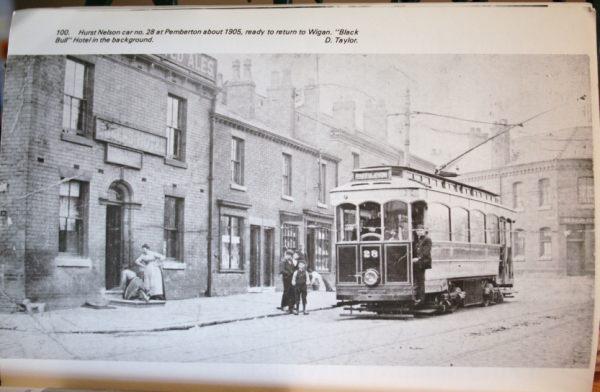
[{"x": 487, "y": 88}]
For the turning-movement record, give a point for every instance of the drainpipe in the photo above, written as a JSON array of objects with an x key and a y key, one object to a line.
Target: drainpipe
[{"x": 209, "y": 221}]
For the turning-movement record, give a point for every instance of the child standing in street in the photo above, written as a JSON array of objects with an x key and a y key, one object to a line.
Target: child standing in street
[{"x": 300, "y": 281}]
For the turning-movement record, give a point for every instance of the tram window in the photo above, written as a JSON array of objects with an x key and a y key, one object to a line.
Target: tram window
[
  {"x": 370, "y": 221},
  {"x": 492, "y": 229},
  {"x": 437, "y": 221},
  {"x": 346, "y": 222},
  {"x": 460, "y": 225},
  {"x": 477, "y": 227},
  {"x": 395, "y": 221}
]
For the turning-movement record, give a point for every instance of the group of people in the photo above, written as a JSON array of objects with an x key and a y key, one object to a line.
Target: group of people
[
  {"x": 296, "y": 280},
  {"x": 149, "y": 287}
]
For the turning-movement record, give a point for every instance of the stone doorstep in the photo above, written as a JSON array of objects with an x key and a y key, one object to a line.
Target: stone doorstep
[{"x": 136, "y": 302}]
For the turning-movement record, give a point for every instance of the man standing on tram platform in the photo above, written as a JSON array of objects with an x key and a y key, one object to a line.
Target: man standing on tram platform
[{"x": 421, "y": 262}]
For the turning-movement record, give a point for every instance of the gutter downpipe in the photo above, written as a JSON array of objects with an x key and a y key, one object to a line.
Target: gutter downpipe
[{"x": 209, "y": 236}]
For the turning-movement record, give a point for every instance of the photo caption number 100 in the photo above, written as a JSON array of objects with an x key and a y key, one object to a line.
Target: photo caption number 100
[{"x": 62, "y": 32}]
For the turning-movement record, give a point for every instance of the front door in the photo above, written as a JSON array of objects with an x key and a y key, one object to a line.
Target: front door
[
  {"x": 268, "y": 257},
  {"x": 114, "y": 245},
  {"x": 254, "y": 256},
  {"x": 310, "y": 248}
]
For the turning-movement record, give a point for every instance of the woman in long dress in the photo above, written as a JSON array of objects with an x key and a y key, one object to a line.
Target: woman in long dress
[{"x": 150, "y": 262}]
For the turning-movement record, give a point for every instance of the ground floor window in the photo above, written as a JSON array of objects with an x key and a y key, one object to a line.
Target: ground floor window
[
  {"x": 545, "y": 243},
  {"x": 318, "y": 246},
  {"x": 232, "y": 232},
  {"x": 289, "y": 237},
  {"x": 71, "y": 227},
  {"x": 174, "y": 227},
  {"x": 519, "y": 243}
]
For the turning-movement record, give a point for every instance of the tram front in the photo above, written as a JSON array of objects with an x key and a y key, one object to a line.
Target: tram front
[{"x": 374, "y": 240}]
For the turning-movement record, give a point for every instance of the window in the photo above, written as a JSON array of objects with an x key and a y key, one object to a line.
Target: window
[
  {"x": 437, "y": 221},
  {"x": 75, "y": 97},
  {"x": 477, "y": 227},
  {"x": 370, "y": 221},
  {"x": 460, "y": 225},
  {"x": 72, "y": 205},
  {"x": 289, "y": 237},
  {"x": 232, "y": 231},
  {"x": 174, "y": 227},
  {"x": 545, "y": 243},
  {"x": 237, "y": 161},
  {"x": 519, "y": 243},
  {"x": 355, "y": 160},
  {"x": 395, "y": 221},
  {"x": 585, "y": 190},
  {"x": 346, "y": 221},
  {"x": 322, "y": 248},
  {"x": 175, "y": 127},
  {"x": 492, "y": 229},
  {"x": 287, "y": 175},
  {"x": 544, "y": 192},
  {"x": 517, "y": 188},
  {"x": 322, "y": 183}
]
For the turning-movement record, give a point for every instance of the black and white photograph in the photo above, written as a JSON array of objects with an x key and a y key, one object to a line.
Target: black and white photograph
[{"x": 315, "y": 209}]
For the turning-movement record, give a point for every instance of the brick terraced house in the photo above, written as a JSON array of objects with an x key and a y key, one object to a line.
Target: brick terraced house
[{"x": 99, "y": 155}]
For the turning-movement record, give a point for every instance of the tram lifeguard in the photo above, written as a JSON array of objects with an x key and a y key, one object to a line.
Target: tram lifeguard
[{"x": 376, "y": 213}]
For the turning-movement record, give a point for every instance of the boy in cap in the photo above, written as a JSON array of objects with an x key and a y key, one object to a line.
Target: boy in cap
[{"x": 300, "y": 281}]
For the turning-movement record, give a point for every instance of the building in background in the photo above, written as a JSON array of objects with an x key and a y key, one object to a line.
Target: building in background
[{"x": 551, "y": 187}]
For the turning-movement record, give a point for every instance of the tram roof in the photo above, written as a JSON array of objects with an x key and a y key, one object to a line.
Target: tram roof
[{"x": 408, "y": 177}]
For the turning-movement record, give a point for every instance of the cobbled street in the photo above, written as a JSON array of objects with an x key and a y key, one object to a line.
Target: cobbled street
[{"x": 548, "y": 323}]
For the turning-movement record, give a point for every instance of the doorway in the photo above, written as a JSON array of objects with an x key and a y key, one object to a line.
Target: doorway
[
  {"x": 117, "y": 248},
  {"x": 268, "y": 257},
  {"x": 255, "y": 256},
  {"x": 114, "y": 245}
]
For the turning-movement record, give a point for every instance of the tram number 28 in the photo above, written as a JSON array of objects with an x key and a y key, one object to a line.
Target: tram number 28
[{"x": 367, "y": 254}]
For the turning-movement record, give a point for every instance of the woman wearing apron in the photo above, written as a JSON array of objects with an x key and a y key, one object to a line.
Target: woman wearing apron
[{"x": 149, "y": 261}]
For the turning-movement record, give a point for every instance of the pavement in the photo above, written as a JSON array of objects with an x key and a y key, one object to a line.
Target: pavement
[{"x": 174, "y": 315}]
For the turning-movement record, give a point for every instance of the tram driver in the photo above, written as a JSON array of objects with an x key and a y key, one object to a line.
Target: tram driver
[{"x": 421, "y": 262}]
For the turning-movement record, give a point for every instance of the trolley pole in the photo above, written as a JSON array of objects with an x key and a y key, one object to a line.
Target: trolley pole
[{"x": 406, "y": 157}]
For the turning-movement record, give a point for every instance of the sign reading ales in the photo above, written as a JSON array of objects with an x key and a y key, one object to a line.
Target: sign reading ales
[{"x": 199, "y": 63}]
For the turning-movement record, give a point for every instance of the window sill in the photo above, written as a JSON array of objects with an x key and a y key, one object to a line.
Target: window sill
[
  {"x": 322, "y": 205},
  {"x": 176, "y": 163},
  {"x": 77, "y": 139},
  {"x": 73, "y": 261},
  {"x": 238, "y": 187},
  {"x": 287, "y": 198},
  {"x": 232, "y": 271},
  {"x": 173, "y": 265}
]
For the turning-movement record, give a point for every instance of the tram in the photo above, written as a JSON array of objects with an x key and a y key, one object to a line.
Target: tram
[{"x": 375, "y": 217}]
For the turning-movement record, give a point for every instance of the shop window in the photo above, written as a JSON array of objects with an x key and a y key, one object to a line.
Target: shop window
[
  {"x": 492, "y": 229},
  {"x": 322, "y": 183},
  {"x": 370, "y": 221},
  {"x": 76, "y": 97},
  {"x": 175, "y": 127},
  {"x": 477, "y": 227},
  {"x": 72, "y": 211},
  {"x": 460, "y": 225},
  {"x": 346, "y": 220},
  {"x": 519, "y": 244},
  {"x": 289, "y": 237},
  {"x": 585, "y": 190},
  {"x": 517, "y": 189},
  {"x": 437, "y": 222},
  {"x": 545, "y": 243},
  {"x": 173, "y": 229},
  {"x": 544, "y": 192},
  {"x": 395, "y": 221},
  {"x": 322, "y": 248},
  {"x": 232, "y": 240},
  {"x": 237, "y": 161},
  {"x": 287, "y": 175}
]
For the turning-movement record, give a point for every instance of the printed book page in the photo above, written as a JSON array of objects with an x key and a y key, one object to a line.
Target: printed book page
[{"x": 354, "y": 197}]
